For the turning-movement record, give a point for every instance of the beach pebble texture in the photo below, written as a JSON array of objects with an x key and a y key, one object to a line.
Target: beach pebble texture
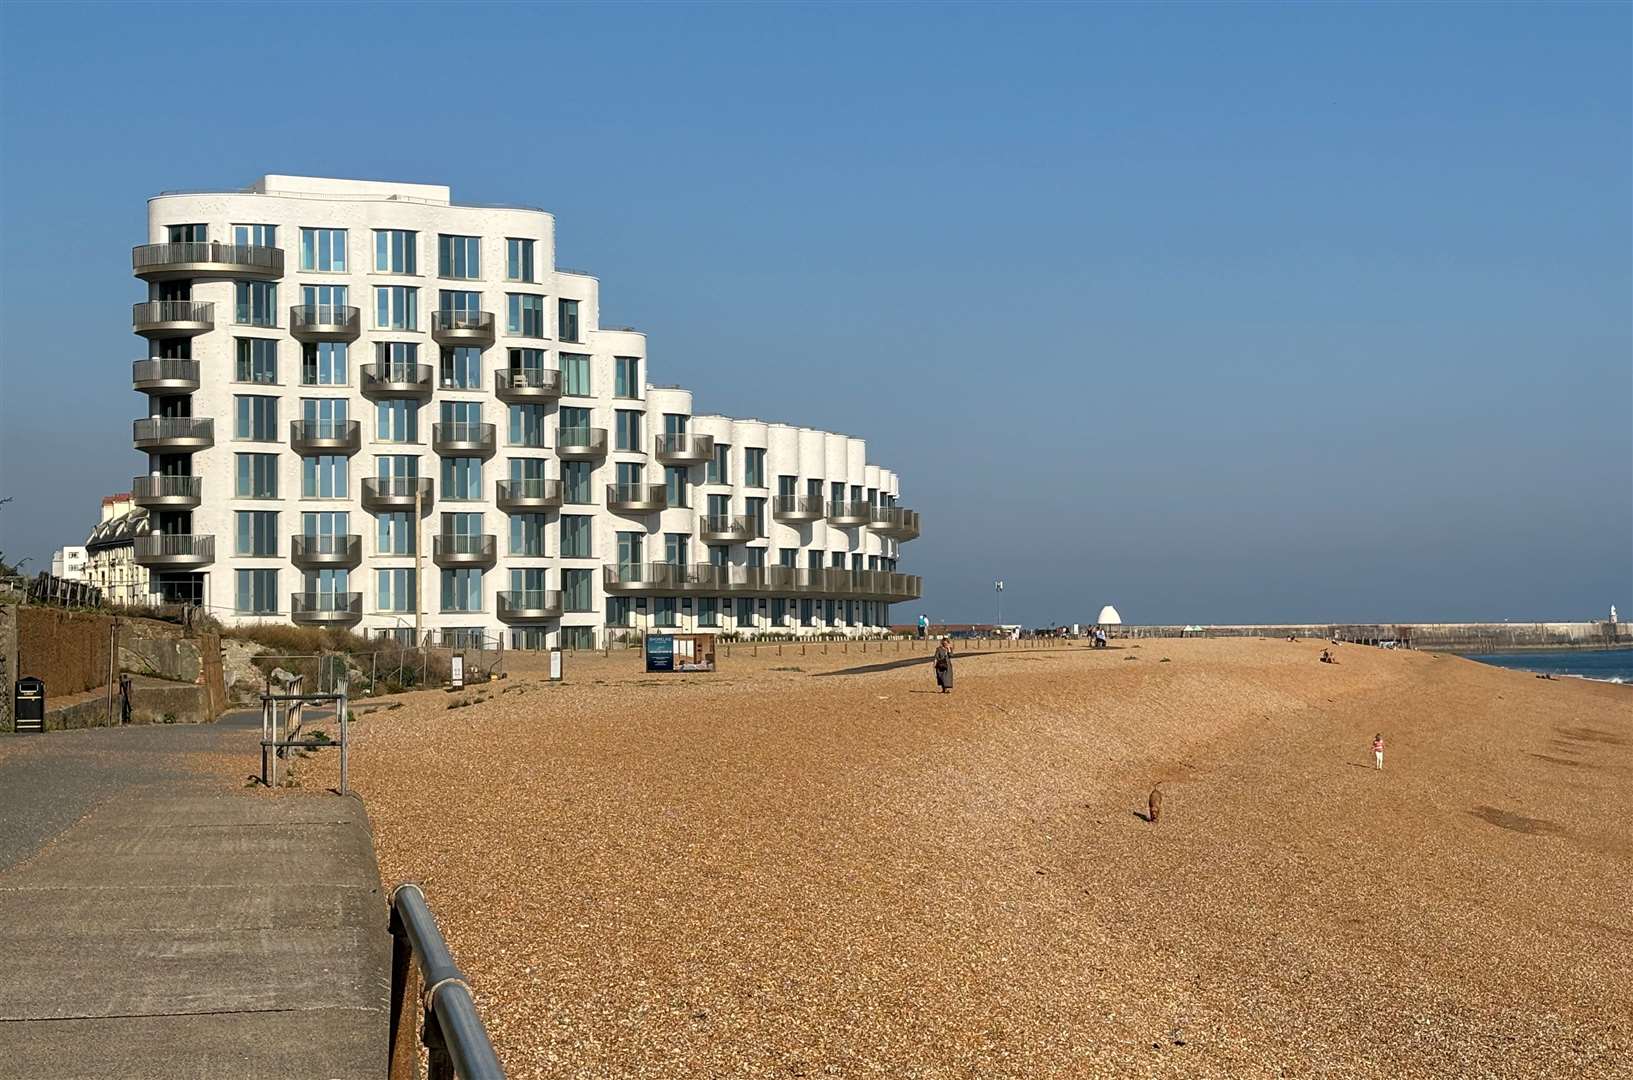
[{"x": 779, "y": 871}]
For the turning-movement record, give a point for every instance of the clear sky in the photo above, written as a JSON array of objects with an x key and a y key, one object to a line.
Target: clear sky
[{"x": 1219, "y": 313}]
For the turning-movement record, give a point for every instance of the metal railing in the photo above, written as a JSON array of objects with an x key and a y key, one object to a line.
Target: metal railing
[
  {"x": 582, "y": 438},
  {"x": 798, "y": 505},
  {"x": 174, "y": 545},
  {"x": 396, "y": 373},
  {"x": 396, "y": 487},
  {"x": 319, "y": 604},
  {"x": 462, "y": 320},
  {"x": 308, "y": 317},
  {"x": 528, "y": 379},
  {"x": 700, "y": 447},
  {"x": 463, "y": 433},
  {"x": 252, "y": 258},
  {"x": 479, "y": 545},
  {"x": 329, "y": 548},
  {"x": 166, "y": 487},
  {"x": 169, "y": 369},
  {"x": 739, "y": 527},
  {"x": 638, "y": 494},
  {"x": 451, "y": 1030},
  {"x": 151, "y": 429},
  {"x": 516, "y": 602},
  {"x": 149, "y": 312},
  {"x": 536, "y": 490},
  {"x": 349, "y": 432}
]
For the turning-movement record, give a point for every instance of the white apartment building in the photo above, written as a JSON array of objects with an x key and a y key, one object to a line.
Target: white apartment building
[
  {"x": 370, "y": 406},
  {"x": 69, "y": 563},
  {"x": 110, "y": 562}
]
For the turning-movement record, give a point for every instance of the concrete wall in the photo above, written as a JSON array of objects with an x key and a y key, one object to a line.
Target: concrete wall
[{"x": 1464, "y": 637}]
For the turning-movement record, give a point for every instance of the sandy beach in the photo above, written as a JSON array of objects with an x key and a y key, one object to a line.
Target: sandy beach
[{"x": 785, "y": 870}]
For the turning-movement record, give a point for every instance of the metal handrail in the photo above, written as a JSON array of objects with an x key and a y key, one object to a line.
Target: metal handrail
[
  {"x": 484, "y": 544},
  {"x": 151, "y": 428},
  {"x": 742, "y": 525},
  {"x": 529, "y": 600},
  {"x": 269, "y": 258},
  {"x": 529, "y": 379},
  {"x": 685, "y": 443},
  {"x": 160, "y": 311},
  {"x": 797, "y": 504},
  {"x": 535, "y": 488},
  {"x": 350, "y": 603},
  {"x": 397, "y": 372},
  {"x": 453, "y": 319},
  {"x": 326, "y": 429},
  {"x": 167, "y": 487},
  {"x": 592, "y": 437},
  {"x": 169, "y": 368},
  {"x": 399, "y": 487},
  {"x": 346, "y": 544},
  {"x": 455, "y": 1038},
  {"x": 463, "y": 431},
  {"x": 627, "y": 493},
  {"x": 200, "y": 545},
  {"x": 304, "y": 315}
]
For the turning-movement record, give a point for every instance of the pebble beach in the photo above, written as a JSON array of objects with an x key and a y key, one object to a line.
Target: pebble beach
[{"x": 811, "y": 864}]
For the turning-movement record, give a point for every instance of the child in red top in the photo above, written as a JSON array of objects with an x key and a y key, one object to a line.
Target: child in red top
[{"x": 1378, "y": 749}]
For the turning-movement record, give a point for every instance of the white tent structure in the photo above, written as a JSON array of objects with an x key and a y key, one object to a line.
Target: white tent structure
[{"x": 1109, "y": 617}]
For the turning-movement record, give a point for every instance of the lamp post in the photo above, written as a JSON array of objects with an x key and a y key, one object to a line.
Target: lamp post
[{"x": 998, "y": 591}]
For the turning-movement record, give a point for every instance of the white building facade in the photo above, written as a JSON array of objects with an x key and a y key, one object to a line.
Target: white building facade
[
  {"x": 69, "y": 563},
  {"x": 371, "y": 407},
  {"x": 111, "y": 552}
]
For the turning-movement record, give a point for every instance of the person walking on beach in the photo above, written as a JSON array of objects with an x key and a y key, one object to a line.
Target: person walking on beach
[
  {"x": 924, "y": 627},
  {"x": 1378, "y": 750},
  {"x": 944, "y": 665}
]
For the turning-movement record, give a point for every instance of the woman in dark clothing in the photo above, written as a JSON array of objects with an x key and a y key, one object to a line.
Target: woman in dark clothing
[{"x": 944, "y": 666}]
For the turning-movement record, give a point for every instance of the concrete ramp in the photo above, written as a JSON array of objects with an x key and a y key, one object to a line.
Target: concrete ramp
[{"x": 198, "y": 935}]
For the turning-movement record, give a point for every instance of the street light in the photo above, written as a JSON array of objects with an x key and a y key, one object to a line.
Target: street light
[{"x": 998, "y": 590}]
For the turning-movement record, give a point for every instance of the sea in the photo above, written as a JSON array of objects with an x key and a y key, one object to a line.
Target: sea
[{"x": 1603, "y": 665}]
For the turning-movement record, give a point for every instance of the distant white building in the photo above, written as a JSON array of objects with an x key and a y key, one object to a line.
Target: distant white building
[
  {"x": 69, "y": 563},
  {"x": 111, "y": 551}
]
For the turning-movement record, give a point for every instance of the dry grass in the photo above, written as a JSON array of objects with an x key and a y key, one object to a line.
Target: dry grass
[{"x": 772, "y": 872}]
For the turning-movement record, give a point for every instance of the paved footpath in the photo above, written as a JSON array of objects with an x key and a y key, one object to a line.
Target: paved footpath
[{"x": 158, "y": 920}]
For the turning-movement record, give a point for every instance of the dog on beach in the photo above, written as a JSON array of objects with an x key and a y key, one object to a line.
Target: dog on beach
[{"x": 1154, "y": 804}]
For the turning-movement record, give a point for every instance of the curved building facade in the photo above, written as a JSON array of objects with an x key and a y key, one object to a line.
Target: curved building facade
[{"x": 372, "y": 407}]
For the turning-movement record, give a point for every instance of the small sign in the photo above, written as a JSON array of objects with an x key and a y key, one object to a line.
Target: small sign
[
  {"x": 660, "y": 652},
  {"x": 456, "y": 671},
  {"x": 555, "y": 665}
]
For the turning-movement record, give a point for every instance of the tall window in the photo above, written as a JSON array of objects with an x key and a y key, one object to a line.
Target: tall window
[
  {"x": 462, "y": 368},
  {"x": 324, "y": 363},
  {"x": 394, "y": 251},
  {"x": 574, "y": 422},
  {"x": 677, "y": 548},
  {"x": 527, "y": 425},
  {"x": 518, "y": 259},
  {"x": 524, "y": 314},
  {"x": 719, "y": 468},
  {"x": 396, "y": 307},
  {"x": 575, "y": 591},
  {"x": 459, "y": 256},
  {"x": 459, "y": 301},
  {"x": 329, "y": 300},
  {"x": 394, "y": 361},
  {"x": 397, "y": 420},
  {"x": 325, "y": 418},
  {"x": 323, "y": 250},
  {"x": 756, "y": 513},
  {"x": 257, "y": 476},
  {"x": 325, "y": 523},
  {"x": 754, "y": 466},
  {"x": 255, "y": 360},
  {"x": 396, "y": 533},
  {"x": 187, "y": 234},
  {"x": 575, "y": 536},
  {"x": 257, "y": 592},
  {"x": 663, "y": 611},
  {"x": 462, "y": 589},
  {"x": 627, "y": 430},
  {"x": 567, "y": 320},
  {"x": 708, "y": 611},
  {"x": 394, "y": 590},
  {"x": 324, "y": 476},
  {"x": 255, "y": 533},
  {"x": 256, "y": 235},
  {"x": 461, "y": 478},
  {"x": 618, "y": 610},
  {"x": 626, "y": 376},
  {"x": 255, "y": 418},
  {"x": 527, "y": 534},
  {"x": 530, "y": 361},
  {"x": 255, "y": 303},
  {"x": 575, "y": 482},
  {"x": 674, "y": 480},
  {"x": 630, "y": 548},
  {"x": 575, "y": 374}
]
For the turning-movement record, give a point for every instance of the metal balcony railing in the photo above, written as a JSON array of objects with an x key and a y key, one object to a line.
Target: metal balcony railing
[
  {"x": 325, "y": 606},
  {"x": 175, "y": 316},
  {"x": 165, "y": 373},
  {"x": 455, "y": 1040},
  {"x": 196, "y": 431},
  {"x": 325, "y": 321},
  {"x": 166, "y": 490},
  {"x": 174, "y": 547},
  {"x": 206, "y": 257}
]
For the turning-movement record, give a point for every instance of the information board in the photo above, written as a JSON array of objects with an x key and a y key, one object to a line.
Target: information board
[{"x": 660, "y": 652}]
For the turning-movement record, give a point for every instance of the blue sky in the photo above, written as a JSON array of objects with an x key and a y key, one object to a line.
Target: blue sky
[{"x": 1219, "y": 313}]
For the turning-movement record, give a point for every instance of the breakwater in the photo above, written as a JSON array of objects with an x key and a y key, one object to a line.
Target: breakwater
[{"x": 1452, "y": 637}]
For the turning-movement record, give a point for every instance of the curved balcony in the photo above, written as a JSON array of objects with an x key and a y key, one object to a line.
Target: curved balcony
[
  {"x": 325, "y": 322},
  {"x": 326, "y": 609},
  {"x": 645, "y": 577},
  {"x": 172, "y": 318},
  {"x": 455, "y": 328},
  {"x": 895, "y": 522},
  {"x": 325, "y": 436},
  {"x": 527, "y": 496},
  {"x": 728, "y": 529},
  {"x": 319, "y": 552},
  {"x": 170, "y": 375},
  {"x": 396, "y": 492},
  {"x": 461, "y": 549},
  {"x": 174, "y": 551},
  {"x": 464, "y": 439},
  {"x": 797, "y": 509},
  {"x": 526, "y": 386},
  {"x": 173, "y": 434},
  {"x": 528, "y": 605},
  {"x": 847, "y": 514},
  {"x": 167, "y": 492},
  {"x": 637, "y": 498},
  {"x": 395, "y": 380},
  {"x": 581, "y": 443},
  {"x": 685, "y": 449},
  {"x": 169, "y": 262}
]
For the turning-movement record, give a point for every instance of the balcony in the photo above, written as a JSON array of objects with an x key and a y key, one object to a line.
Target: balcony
[
  {"x": 527, "y": 496},
  {"x": 171, "y": 375},
  {"x": 455, "y": 328},
  {"x": 463, "y": 439},
  {"x": 395, "y": 380},
  {"x": 797, "y": 509},
  {"x": 167, "y": 492},
  {"x": 173, "y": 434},
  {"x": 172, "y": 318},
  {"x": 320, "y": 552},
  {"x": 325, "y": 436},
  {"x": 461, "y": 549},
  {"x": 847, "y": 514},
  {"x": 685, "y": 449},
  {"x": 527, "y": 385},
  {"x": 728, "y": 529},
  {"x": 895, "y": 522},
  {"x": 169, "y": 262},
  {"x": 580, "y": 443},
  {"x": 528, "y": 605},
  {"x": 647, "y": 577},
  {"x": 174, "y": 551},
  {"x": 326, "y": 609},
  {"x": 396, "y": 492},
  {"x": 324, "y": 322},
  {"x": 637, "y": 498}
]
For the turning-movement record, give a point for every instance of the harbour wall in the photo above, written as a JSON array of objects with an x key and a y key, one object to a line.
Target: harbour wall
[{"x": 1450, "y": 637}]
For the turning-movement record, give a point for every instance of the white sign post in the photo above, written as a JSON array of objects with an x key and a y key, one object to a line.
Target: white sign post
[{"x": 456, "y": 671}]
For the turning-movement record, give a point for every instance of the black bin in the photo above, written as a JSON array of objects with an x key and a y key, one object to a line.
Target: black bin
[{"x": 28, "y": 707}]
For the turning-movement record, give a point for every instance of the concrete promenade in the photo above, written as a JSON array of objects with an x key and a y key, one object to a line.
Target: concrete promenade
[{"x": 157, "y": 920}]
